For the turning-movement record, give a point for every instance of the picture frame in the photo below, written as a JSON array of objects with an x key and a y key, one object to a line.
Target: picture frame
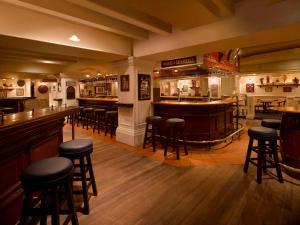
[
  {"x": 144, "y": 87},
  {"x": 250, "y": 87},
  {"x": 124, "y": 82},
  {"x": 70, "y": 83},
  {"x": 19, "y": 92},
  {"x": 268, "y": 89},
  {"x": 99, "y": 90},
  {"x": 287, "y": 89}
]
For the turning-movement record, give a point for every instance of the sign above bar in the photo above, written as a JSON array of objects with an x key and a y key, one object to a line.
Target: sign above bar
[{"x": 179, "y": 62}]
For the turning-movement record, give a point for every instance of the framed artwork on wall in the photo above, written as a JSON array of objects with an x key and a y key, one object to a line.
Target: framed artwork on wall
[
  {"x": 19, "y": 92},
  {"x": 124, "y": 80},
  {"x": 287, "y": 89},
  {"x": 144, "y": 87},
  {"x": 250, "y": 87},
  {"x": 268, "y": 89},
  {"x": 99, "y": 89}
]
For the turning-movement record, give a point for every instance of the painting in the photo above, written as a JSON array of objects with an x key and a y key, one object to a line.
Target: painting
[
  {"x": 250, "y": 87},
  {"x": 70, "y": 83},
  {"x": 144, "y": 87},
  {"x": 19, "y": 92},
  {"x": 214, "y": 90},
  {"x": 71, "y": 92},
  {"x": 287, "y": 89},
  {"x": 124, "y": 79},
  {"x": 268, "y": 89},
  {"x": 99, "y": 90}
]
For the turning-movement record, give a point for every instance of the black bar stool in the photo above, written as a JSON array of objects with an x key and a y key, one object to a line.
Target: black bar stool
[
  {"x": 271, "y": 123},
  {"x": 7, "y": 110},
  {"x": 111, "y": 122},
  {"x": 267, "y": 145},
  {"x": 88, "y": 117},
  {"x": 155, "y": 122},
  {"x": 175, "y": 130},
  {"x": 99, "y": 119},
  {"x": 79, "y": 116},
  {"x": 81, "y": 149},
  {"x": 51, "y": 178}
]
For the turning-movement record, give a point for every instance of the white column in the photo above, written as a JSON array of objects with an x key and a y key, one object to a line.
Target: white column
[{"x": 132, "y": 120}]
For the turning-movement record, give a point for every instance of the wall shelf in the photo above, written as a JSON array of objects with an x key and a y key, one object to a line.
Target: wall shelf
[{"x": 278, "y": 85}]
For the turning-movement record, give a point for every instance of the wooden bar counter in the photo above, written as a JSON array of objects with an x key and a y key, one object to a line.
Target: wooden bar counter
[
  {"x": 205, "y": 121},
  {"x": 103, "y": 103},
  {"x": 17, "y": 103},
  {"x": 24, "y": 138}
]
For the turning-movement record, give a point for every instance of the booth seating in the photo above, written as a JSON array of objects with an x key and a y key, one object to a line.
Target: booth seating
[
  {"x": 175, "y": 130},
  {"x": 155, "y": 123},
  {"x": 267, "y": 146},
  {"x": 81, "y": 150},
  {"x": 51, "y": 178}
]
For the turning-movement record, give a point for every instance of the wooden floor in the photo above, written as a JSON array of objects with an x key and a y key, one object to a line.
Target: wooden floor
[{"x": 135, "y": 189}]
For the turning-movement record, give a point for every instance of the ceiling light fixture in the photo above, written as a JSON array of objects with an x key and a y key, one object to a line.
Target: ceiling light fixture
[
  {"x": 87, "y": 76},
  {"x": 175, "y": 71},
  {"x": 74, "y": 38}
]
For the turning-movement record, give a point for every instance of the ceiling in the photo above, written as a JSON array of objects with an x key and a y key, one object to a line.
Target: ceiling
[{"x": 137, "y": 20}]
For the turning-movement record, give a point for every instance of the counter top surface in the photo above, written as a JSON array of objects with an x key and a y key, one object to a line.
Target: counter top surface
[
  {"x": 218, "y": 102},
  {"x": 288, "y": 109},
  {"x": 100, "y": 99},
  {"x": 15, "y": 98},
  {"x": 29, "y": 116}
]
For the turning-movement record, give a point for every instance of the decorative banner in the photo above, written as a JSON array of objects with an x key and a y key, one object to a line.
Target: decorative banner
[
  {"x": 227, "y": 60},
  {"x": 124, "y": 80},
  {"x": 144, "y": 87},
  {"x": 179, "y": 62}
]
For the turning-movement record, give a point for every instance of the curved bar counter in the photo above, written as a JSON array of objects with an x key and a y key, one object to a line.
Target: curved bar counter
[
  {"x": 206, "y": 122},
  {"x": 104, "y": 103}
]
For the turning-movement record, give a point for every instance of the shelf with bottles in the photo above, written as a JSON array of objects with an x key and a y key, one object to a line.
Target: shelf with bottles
[{"x": 279, "y": 85}]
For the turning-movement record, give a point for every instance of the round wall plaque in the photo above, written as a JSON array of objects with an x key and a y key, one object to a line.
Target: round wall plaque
[
  {"x": 21, "y": 83},
  {"x": 43, "y": 89}
]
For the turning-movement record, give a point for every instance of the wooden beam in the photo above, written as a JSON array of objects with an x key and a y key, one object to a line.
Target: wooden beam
[
  {"x": 219, "y": 8},
  {"x": 126, "y": 14},
  {"x": 272, "y": 2},
  {"x": 77, "y": 14}
]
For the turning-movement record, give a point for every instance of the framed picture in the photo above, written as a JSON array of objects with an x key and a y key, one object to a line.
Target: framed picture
[
  {"x": 70, "y": 83},
  {"x": 287, "y": 89},
  {"x": 124, "y": 80},
  {"x": 214, "y": 90},
  {"x": 19, "y": 92},
  {"x": 71, "y": 92},
  {"x": 250, "y": 87},
  {"x": 99, "y": 90},
  {"x": 268, "y": 89},
  {"x": 144, "y": 87}
]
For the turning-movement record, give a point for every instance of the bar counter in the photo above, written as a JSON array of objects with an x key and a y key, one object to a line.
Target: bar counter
[
  {"x": 204, "y": 121},
  {"x": 26, "y": 137},
  {"x": 17, "y": 103},
  {"x": 104, "y": 103}
]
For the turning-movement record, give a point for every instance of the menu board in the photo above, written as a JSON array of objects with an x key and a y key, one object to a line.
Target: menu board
[{"x": 144, "y": 87}]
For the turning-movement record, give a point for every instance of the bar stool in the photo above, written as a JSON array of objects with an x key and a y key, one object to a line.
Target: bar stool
[
  {"x": 79, "y": 116},
  {"x": 271, "y": 123},
  {"x": 81, "y": 149},
  {"x": 175, "y": 129},
  {"x": 263, "y": 135},
  {"x": 99, "y": 119},
  {"x": 155, "y": 122},
  {"x": 50, "y": 177},
  {"x": 111, "y": 122},
  {"x": 88, "y": 117}
]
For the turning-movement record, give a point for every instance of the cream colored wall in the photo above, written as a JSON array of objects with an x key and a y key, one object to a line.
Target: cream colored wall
[
  {"x": 12, "y": 93},
  {"x": 63, "y": 93}
]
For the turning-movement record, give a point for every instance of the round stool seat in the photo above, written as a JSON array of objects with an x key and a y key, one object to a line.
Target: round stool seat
[
  {"x": 175, "y": 122},
  {"x": 88, "y": 109},
  {"x": 46, "y": 171},
  {"x": 99, "y": 110},
  {"x": 7, "y": 109},
  {"x": 75, "y": 147},
  {"x": 271, "y": 123},
  {"x": 262, "y": 133},
  {"x": 153, "y": 119}
]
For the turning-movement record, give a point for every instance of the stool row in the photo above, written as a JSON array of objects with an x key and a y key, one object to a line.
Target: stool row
[
  {"x": 97, "y": 119},
  {"x": 48, "y": 183},
  {"x": 174, "y": 135}
]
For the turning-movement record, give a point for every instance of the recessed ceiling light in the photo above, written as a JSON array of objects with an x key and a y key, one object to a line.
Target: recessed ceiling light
[
  {"x": 175, "y": 71},
  {"x": 12, "y": 78},
  {"x": 74, "y": 38},
  {"x": 87, "y": 76},
  {"x": 99, "y": 74}
]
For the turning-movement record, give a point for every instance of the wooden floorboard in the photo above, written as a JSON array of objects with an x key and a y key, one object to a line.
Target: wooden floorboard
[{"x": 137, "y": 190}]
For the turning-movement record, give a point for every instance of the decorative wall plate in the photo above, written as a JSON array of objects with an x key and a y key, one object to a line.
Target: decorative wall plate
[
  {"x": 21, "y": 83},
  {"x": 43, "y": 89}
]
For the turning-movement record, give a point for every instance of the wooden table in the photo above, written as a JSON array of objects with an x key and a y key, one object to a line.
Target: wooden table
[
  {"x": 290, "y": 135},
  {"x": 26, "y": 137}
]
